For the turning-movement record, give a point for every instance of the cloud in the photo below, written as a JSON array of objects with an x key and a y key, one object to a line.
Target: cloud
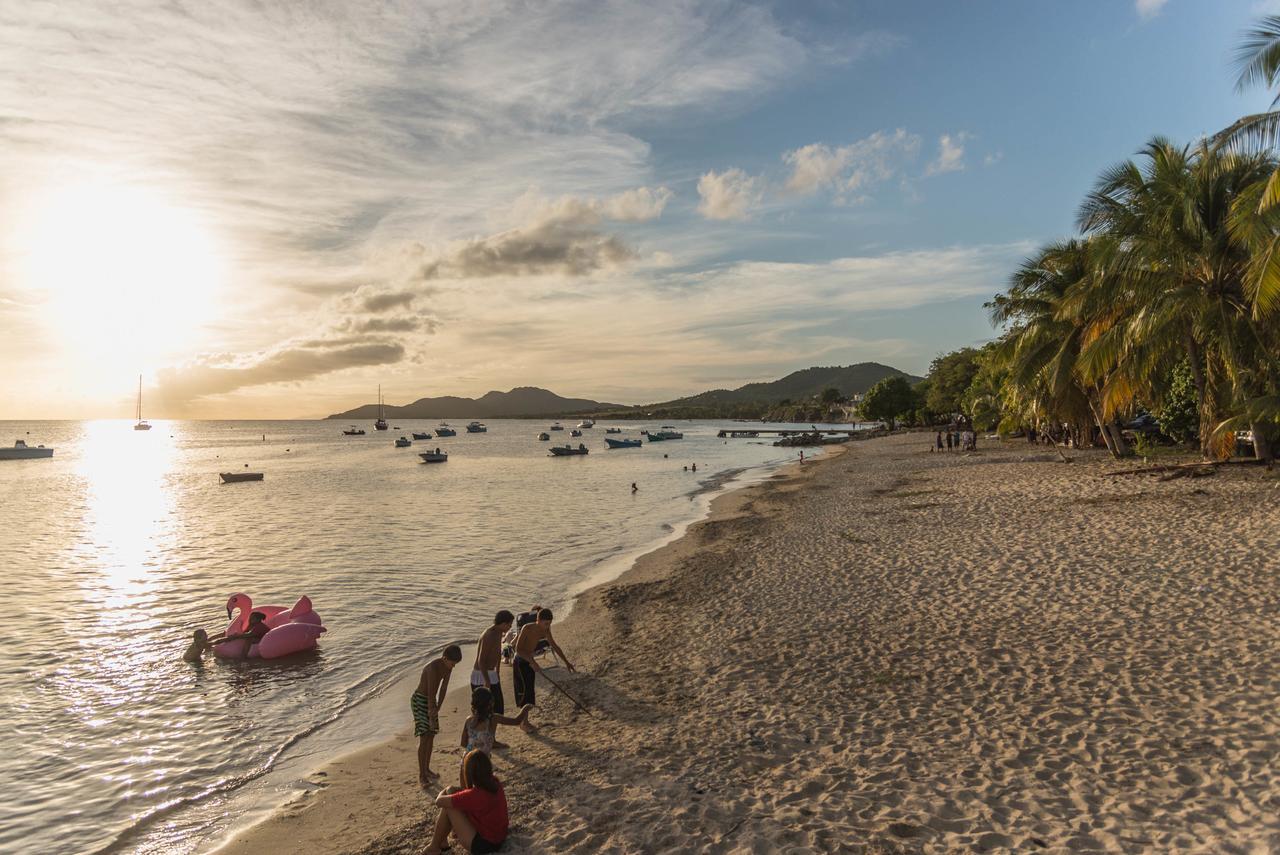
[
  {"x": 637, "y": 205},
  {"x": 1148, "y": 9},
  {"x": 728, "y": 195},
  {"x": 950, "y": 154},
  {"x": 385, "y": 300},
  {"x": 992, "y": 158},
  {"x": 219, "y": 375},
  {"x": 849, "y": 169}
]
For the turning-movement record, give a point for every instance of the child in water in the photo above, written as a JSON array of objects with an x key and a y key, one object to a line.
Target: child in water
[
  {"x": 199, "y": 644},
  {"x": 476, "y": 733}
]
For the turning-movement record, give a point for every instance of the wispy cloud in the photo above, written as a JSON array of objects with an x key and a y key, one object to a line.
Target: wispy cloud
[
  {"x": 1148, "y": 8},
  {"x": 729, "y": 195},
  {"x": 950, "y": 154},
  {"x": 849, "y": 170}
]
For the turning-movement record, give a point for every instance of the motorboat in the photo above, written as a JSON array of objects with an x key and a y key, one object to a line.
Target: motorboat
[
  {"x": 403, "y": 442},
  {"x": 426, "y": 435},
  {"x": 568, "y": 450},
  {"x": 22, "y": 451},
  {"x": 613, "y": 430},
  {"x": 381, "y": 422},
  {"x": 436, "y": 456},
  {"x": 586, "y": 423},
  {"x": 575, "y": 432},
  {"x": 142, "y": 423},
  {"x": 237, "y": 477},
  {"x": 660, "y": 436},
  {"x": 353, "y": 431},
  {"x": 443, "y": 429},
  {"x": 556, "y": 426},
  {"x": 544, "y": 436},
  {"x": 476, "y": 427},
  {"x": 622, "y": 443}
]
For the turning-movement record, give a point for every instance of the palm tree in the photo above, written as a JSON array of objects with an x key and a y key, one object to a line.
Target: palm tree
[{"x": 1177, "y": 252}]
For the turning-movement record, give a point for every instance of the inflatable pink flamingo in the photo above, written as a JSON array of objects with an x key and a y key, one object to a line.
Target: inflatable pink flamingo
[{"x": 292, "y": 629}]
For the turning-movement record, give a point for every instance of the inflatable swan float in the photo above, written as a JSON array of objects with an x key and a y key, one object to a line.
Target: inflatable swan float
[{"x": 292, "y": 629}]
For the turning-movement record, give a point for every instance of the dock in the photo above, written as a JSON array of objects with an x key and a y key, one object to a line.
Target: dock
[{"x": 752, "y": 433}]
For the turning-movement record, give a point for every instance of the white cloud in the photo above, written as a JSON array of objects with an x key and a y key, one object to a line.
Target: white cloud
[
  {"x": 728, "y": 195},
  {"x": 1149, "y": 8},
  {"x": 950, "y": 154},
  {"x": 638, "y": 205},
  {"x": 850, "y": 169}
]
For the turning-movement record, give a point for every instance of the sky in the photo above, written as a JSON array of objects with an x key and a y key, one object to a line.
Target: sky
[{"x": 267, "y": 210}]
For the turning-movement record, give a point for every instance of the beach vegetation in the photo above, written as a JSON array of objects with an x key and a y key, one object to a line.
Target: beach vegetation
[{"x": 890, "y": 401}]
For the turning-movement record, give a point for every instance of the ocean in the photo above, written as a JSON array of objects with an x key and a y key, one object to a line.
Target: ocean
[{"x": 125, "y": 541}]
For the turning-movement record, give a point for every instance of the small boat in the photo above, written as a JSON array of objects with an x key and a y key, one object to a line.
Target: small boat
[
  {"x": 142, "y": 424},
  {"x": 381, "y": 423},
  {"x": 476, "y": 427},
  {"x": 575, "y": 432},
  {"x": 622, "y": 443},
  {"x": 586, "y": 423},
  {"x": 663, "y": 435},
  {"x": 568, "y": 450},
  {"x": 557, "y": 426},
  {"x": 417, "y": 435},
  {"x": 436, "y": 456},
  {"x": 613, "y": 430},
  {"x": 236, "y": 477},
  {"x": 544, "y": 436},
  {"x": 22, "y": 451},
  {"x": 403, "y": 442},
  {"x": 444, "y": 430},
  {"x": 353, "y": 431}
]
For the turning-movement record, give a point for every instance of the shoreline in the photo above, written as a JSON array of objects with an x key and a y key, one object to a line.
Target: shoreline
[{"x": 345, "y": 783}]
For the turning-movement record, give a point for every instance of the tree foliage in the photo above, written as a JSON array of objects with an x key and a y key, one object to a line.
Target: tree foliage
[{"x": 889, "y": 401}]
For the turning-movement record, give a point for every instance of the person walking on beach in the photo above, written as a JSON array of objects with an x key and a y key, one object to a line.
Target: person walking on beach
[
  {"x": 524, "y": 668},
  {"x": 475, "y": 813},
  {"x": 425, "y": 703},
  {"x": 484, "y": 674},
  {"x": 949, "y": 444}
]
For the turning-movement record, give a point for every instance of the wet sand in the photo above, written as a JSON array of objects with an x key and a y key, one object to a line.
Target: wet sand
[{"x": 892, "y": 650}]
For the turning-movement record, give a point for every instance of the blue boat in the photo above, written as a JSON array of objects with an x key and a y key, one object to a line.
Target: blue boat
[{"x": 622, "y": 443}]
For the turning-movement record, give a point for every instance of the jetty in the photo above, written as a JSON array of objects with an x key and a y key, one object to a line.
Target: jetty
[{"x": 785, "y": 432}]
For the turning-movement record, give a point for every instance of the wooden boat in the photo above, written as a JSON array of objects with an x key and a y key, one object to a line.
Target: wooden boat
[
  {"x": 142, "y": 424},
  {"x": 353, "y": 431},
  {"x": 236, "y": 477},
  {"x": 568, "y": 450},
  {"x": 622, "y": 443},
  {"x": 444, "y": 430},
  {"x": 417, "y": 435},
  {"x": 22, "y": 451},
  {"x": 403, "y": 442},
  {"x": 436, "y": 456}
]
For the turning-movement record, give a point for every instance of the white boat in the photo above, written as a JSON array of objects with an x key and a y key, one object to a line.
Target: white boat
[
  {"x": 586, "y": 423},
  {"x": 556, "y": 426},
  {"x": 22, "y": 451},
  {"x": 476, "y": 427},
  {"x": 436, "y": 456},
  {"x": 544, "y": 436},
  {"x": 443, "y": 429},
  {"x": 142, "y": 424},
  {"x": 403, "y": 442},
  {"x": 380, "y": 423}
]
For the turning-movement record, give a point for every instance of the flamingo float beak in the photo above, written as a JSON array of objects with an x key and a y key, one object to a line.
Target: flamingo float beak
[{"x": 228, "y": 612}]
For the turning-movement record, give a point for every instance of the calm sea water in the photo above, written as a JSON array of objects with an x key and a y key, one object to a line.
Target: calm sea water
[{"x": 115, "y": 549}]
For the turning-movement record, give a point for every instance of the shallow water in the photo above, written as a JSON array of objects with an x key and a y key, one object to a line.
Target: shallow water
[{"x": 125, "y": 541}]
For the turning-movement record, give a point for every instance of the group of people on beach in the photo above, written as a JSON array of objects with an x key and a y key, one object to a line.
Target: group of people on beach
[
  {"x": 475, "y": 811},
  {"x": 958, "y": 436}
]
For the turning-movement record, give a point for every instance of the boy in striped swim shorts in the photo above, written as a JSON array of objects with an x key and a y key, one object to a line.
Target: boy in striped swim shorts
[{"x": 425, "y": 703}]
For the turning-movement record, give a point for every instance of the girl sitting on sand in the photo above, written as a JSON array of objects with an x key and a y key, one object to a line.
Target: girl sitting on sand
[
  {"x": 477, "y": 735},
  {"x": 475, "y": 813}
]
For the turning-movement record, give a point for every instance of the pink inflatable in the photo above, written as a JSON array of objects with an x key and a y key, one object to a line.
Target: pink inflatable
[{"x": 292, "y": 630}]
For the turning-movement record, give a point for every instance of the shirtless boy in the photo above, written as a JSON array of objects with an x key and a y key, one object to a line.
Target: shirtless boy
[
  {"x": 525, "y": 667},
  {"x": 426, "y": 701},
  {"x": 485, "y": 671}
]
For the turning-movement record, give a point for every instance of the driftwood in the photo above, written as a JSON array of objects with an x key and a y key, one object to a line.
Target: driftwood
[{"x": 1175, "y": 470}]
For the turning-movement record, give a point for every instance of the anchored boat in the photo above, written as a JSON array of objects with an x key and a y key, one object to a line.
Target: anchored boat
[
  {"x": 568, "y": 450},
  {"x": 622, "y": 443},
  {"x": 22, "y": 451}
]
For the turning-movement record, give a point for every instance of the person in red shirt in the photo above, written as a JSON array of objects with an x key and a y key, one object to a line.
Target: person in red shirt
[{"x": 475, "y": 813}]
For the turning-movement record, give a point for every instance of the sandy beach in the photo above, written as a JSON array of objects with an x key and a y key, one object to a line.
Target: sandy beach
[{"x": 891, "y": 650}]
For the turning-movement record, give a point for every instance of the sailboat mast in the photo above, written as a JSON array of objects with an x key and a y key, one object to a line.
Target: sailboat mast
[{"x": 139, "y": 397}]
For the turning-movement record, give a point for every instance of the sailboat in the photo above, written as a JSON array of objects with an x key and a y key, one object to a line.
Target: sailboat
[
  {"x": 381, "y": 423},
  {"x": 141, "y": 425}
]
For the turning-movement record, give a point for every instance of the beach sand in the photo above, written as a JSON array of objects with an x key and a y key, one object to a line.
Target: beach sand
[{"x": 892, "y": 650}]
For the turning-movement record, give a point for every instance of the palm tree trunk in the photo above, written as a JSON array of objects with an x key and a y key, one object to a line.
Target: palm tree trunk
[
  {"x": 1261, "y": 442},
  {"x": 1197, "y": 375},
  {"x": 1107, "y": 438},
  {"x": 1120, "y": 446}
]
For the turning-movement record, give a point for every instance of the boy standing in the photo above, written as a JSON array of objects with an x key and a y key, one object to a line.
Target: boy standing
[
  {"x": 484, "y": 674},
  {"x": 525, "y": 667},
  {"x": 425, "y": 703}
]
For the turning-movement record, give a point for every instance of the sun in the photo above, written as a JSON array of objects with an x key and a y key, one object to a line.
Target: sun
[{"x": 125, "y": 275}]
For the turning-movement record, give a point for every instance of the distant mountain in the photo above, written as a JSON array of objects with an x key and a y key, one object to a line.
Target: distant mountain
[
  {"x": 521, "y": 401},
  {"x": 849, "y": 379}
]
